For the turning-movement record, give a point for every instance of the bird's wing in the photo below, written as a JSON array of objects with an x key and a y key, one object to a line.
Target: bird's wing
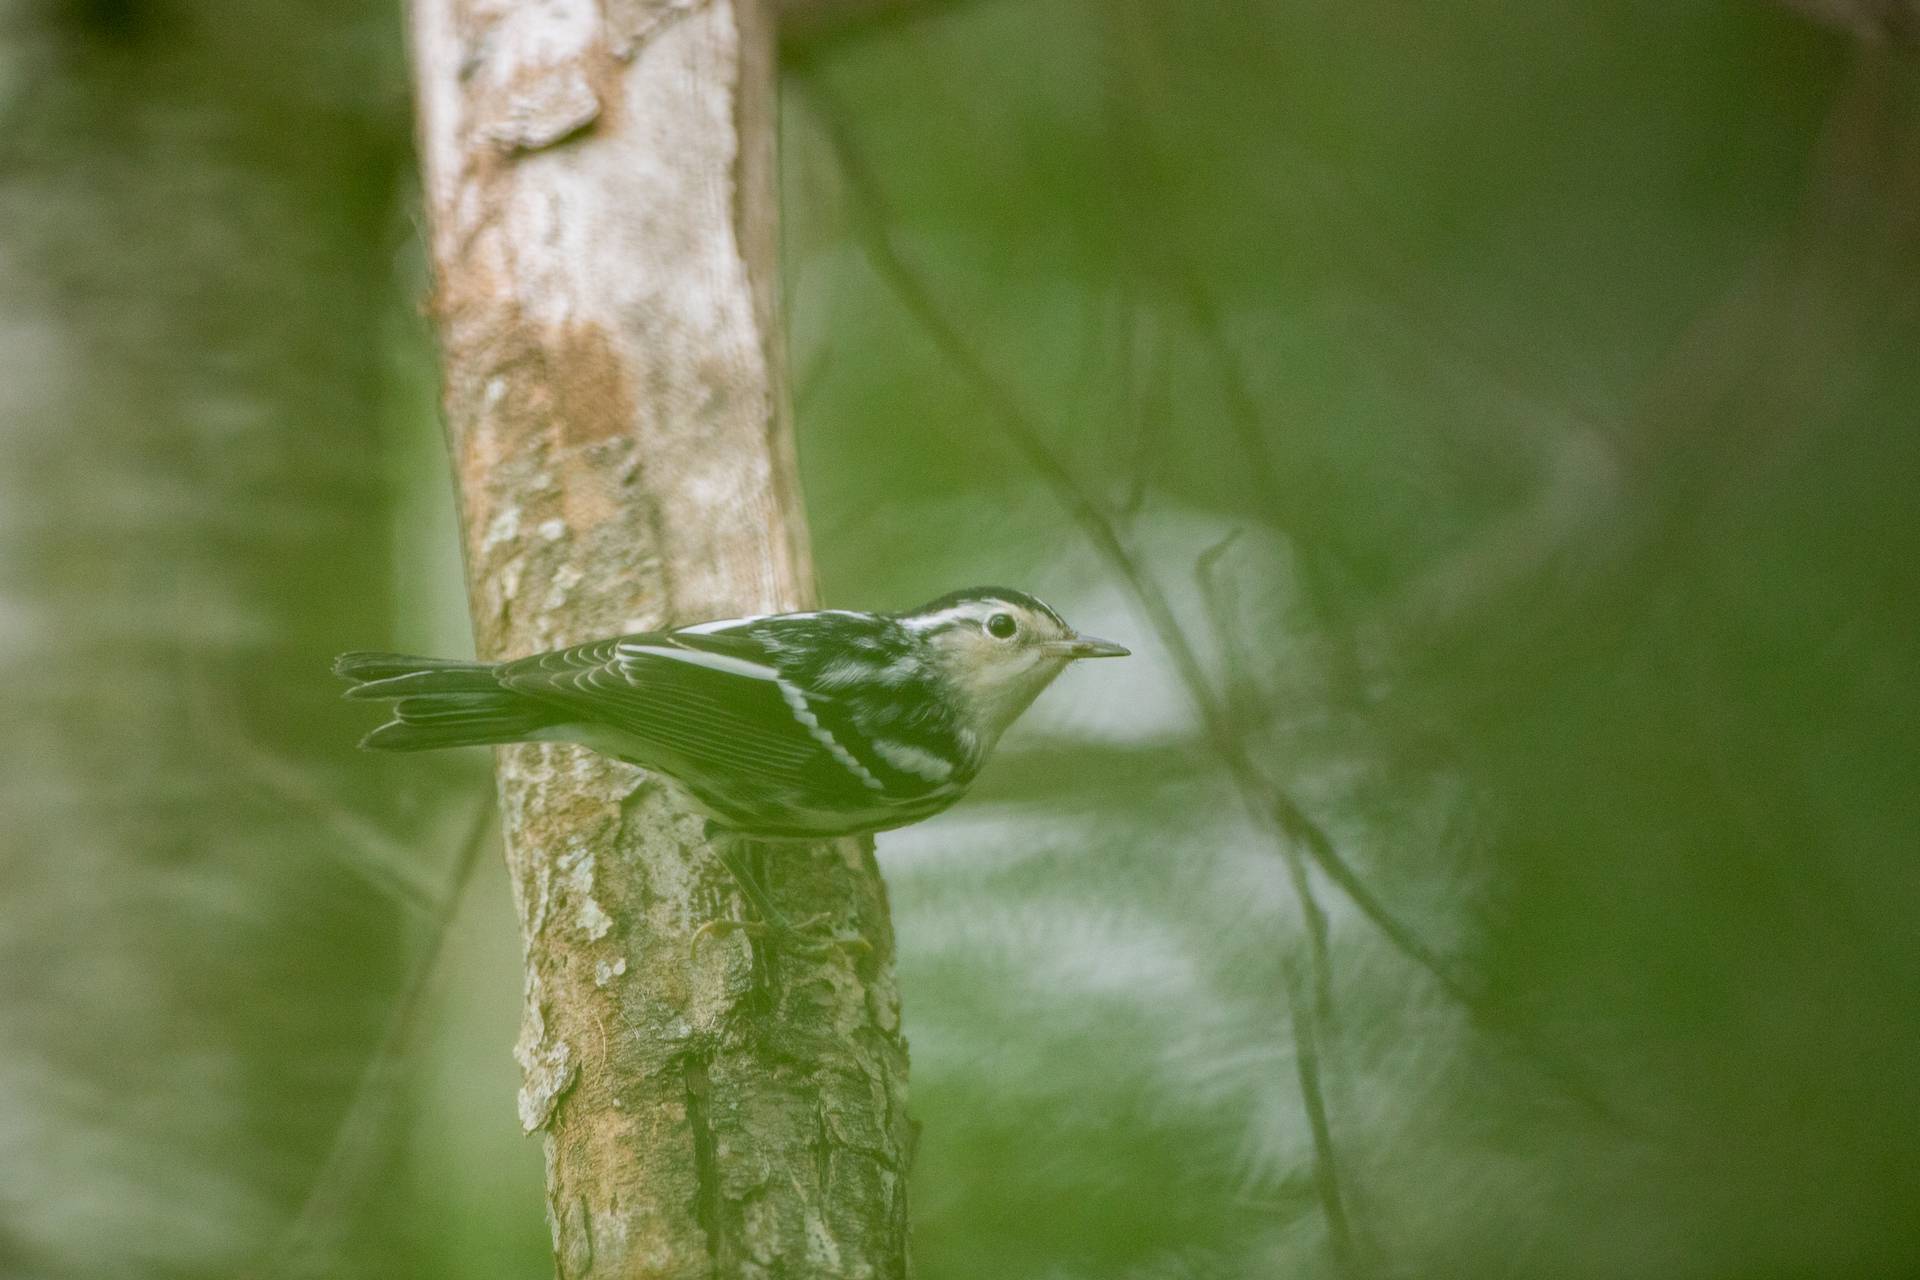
[{"x": 716, "y": 705}]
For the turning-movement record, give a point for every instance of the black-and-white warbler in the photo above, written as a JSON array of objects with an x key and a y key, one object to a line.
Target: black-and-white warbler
[{"x": 785, "y": 726}]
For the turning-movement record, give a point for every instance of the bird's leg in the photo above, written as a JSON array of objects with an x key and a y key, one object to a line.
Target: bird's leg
[
  {"x": 808, "y": 937},
  {"x": 737, "y": 856}
]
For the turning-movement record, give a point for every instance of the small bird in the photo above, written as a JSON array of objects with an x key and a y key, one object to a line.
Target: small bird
[{"x": 780, "y": 727}]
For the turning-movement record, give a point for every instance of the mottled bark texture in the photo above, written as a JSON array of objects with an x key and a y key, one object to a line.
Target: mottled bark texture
[
  {"x": 197, "y": 222},
  {"x": 600, "y": 187}
]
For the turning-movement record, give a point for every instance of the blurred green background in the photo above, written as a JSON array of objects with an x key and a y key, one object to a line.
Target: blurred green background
[{"x": 1511, "y": 407}]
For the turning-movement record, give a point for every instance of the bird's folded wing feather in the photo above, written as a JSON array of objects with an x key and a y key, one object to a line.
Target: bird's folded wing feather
[
  {"x": 717, "y": 702},
  {"x": 717, "y": 707},
  {"x": 902, "y": 763}
]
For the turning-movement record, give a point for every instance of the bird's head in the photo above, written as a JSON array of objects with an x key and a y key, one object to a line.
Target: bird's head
[{"x": 999, "y": 648}]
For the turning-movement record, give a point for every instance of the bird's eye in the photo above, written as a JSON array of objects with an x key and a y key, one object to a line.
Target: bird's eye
[{"x": 1001, "y": 626}]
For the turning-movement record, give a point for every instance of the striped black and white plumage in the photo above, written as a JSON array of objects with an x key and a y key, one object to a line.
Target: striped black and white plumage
[{"x": 798, "y": 725}]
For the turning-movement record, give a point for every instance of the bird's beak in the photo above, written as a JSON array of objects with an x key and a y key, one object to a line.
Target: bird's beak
[{"x": 1093, "y": 647}]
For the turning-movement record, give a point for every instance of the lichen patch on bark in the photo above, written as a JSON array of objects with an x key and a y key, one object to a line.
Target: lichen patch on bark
[
  {"x": 547, "y": 1064},
  {"x": 539, "y": 107},
  {"x": 631, "y": 23}
]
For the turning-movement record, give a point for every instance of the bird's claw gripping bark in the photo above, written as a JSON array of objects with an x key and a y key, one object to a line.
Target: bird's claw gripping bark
[{"x": 812, "y": 938}]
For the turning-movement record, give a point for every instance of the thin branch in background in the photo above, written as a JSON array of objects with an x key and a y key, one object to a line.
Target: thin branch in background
[
  {"x": 378, "y": 859},
  {"x": 1298, "y": 825},
  {"x": 1133, "y": 130},
  {"x": 1266, "y": 799},
  {"x": 1149, "y": 403},
  {"x": 326, "y": 1209},
  {"x": 1082, "y": 407},
  {"x": 1313, "y": 1100},
  {"x": 382, "y": 863},
  {"x": 1316, "y": 564},
  {"x": 1218, "y": 598},
  {"x": 873, "y": 223},
  {"x": 1243, "y": 412},
  {"x": 1136, "y": 99},
  {"x": 1137, "y": 109}
]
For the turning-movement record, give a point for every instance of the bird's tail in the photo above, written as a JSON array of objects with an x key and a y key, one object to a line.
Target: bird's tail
[{"x": 439, "y": 702}]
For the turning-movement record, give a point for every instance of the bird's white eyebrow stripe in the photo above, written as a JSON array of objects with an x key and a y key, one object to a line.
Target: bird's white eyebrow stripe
[
  {"x": 701, "y": 658},
  {"x": 934, "y": 621},
  {"x": 804, "y": 714}
]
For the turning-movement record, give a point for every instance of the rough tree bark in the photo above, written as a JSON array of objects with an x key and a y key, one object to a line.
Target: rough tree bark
[{"x": 600, "y": 186}]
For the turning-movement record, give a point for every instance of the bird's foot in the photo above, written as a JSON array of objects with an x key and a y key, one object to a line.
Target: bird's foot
[{"x": 812, "y": 938}]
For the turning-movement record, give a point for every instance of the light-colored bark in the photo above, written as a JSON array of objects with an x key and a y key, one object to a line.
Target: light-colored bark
[{"x": 600, "y": 188}]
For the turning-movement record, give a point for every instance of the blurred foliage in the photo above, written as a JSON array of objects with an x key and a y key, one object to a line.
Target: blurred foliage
[
  {"x": 1514, "y": 406},
  {"x": 1553, "y": 365},
  {"x": 198, "y": 938}
]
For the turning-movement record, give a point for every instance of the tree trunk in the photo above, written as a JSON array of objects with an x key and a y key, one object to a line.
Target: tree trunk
[{"x": 600, "y": 185}]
